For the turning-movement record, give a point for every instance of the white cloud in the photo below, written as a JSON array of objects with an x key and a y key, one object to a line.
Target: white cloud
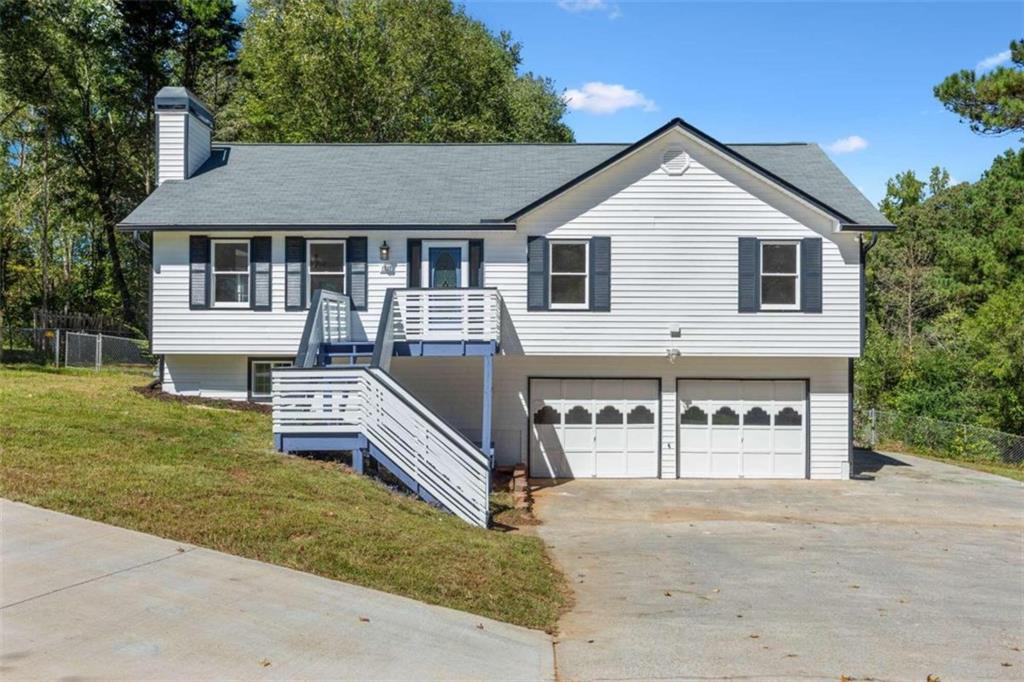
[
  {"x": 576, "y": 6},
  {"x": 845, "y": 145},
  {"x": 993, "y": 61},
  {"x": 606, "y": 98}
]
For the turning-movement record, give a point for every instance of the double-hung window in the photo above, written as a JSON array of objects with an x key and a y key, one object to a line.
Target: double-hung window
[
  {"x": 230, "y": 273},
  {"x": 259, "y": 377},
  {"x": 569, "y": 278},
  {"x": 325, "y": 265},
  {"x": 780, "y": 275}
]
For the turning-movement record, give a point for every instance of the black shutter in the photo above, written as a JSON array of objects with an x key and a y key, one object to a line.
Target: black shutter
[
  {"x": 536, "y": 273},
  {"x": 355, "y": 271},
  {"x": 601, "y": 274},
  {"x": 810, "y": 274},
  {"x": 749, "y": 275},
  {"x": 259, "y": 273},
  {"x": 198, "y": 272},
  {"x": 414, "y": 254},
  {"x": 476, "y": 262},
  {"x": 294, "y": 273}
]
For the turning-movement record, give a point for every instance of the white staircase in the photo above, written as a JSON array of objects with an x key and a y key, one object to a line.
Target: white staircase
[{"x": 365, "y": 409}]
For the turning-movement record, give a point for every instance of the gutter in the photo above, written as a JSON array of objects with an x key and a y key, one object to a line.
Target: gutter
[{"x": 292, "y": 227}]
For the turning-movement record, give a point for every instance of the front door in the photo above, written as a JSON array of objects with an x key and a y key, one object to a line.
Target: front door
[{"x": 445, "y": 267}]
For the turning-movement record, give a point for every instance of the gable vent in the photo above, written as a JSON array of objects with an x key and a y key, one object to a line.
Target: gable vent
[{"x": 675, "y": 161}]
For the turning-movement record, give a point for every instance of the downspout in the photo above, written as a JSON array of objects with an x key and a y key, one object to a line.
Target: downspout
[{"x": 864, "y": 249}]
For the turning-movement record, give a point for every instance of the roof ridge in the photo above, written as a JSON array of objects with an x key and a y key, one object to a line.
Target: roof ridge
[
  {"x": 419, "y": 144},
  {"x": 769, "y": 144}
]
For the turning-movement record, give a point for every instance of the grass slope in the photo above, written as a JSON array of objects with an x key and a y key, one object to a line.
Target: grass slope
[{"x": 84, "y": 443}]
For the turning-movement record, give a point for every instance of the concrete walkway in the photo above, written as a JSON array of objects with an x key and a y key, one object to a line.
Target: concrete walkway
[
  {"x": 85, "y": 600},
  {"x": 916, "y": 569}
]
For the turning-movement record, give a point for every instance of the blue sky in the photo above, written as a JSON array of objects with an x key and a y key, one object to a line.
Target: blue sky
[{"x": 856, "y": 75}]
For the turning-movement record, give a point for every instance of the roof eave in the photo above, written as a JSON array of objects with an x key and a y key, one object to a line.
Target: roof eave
[
  {"x": 859, "y": 227},
  {"x": 293, "y": 227}
]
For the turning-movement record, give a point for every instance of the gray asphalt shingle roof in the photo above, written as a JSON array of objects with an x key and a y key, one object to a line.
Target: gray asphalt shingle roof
[{"x": 434, "y": 184}]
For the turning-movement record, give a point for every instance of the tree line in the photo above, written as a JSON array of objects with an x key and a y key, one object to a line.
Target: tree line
[
  {"x": 78, "y": 79},
  {"x": 77, "y": 83},
  {"x": 945, "y": 313}
]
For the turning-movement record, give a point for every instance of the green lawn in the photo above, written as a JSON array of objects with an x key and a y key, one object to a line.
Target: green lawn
[{"x": 84, "y": 443}]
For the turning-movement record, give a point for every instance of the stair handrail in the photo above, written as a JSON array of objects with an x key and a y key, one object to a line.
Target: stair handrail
[
  {"x": 437, "y": 421},
  {"x": 324, "y": 303}
]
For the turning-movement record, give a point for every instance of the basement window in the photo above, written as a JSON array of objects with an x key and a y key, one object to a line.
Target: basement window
[
  {"x": 230, "y": 273},
  {"x": 260, "y": 387}
]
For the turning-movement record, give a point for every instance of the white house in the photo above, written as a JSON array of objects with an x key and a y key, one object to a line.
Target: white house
[{"x": 674, "y": 307}]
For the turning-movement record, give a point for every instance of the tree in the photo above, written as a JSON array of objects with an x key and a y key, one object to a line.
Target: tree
[
  {"x": 86, "y": 73},
  {"x": 946, "y": 299},
  {"x": 993, "y": 102},
  {"x": 385, "y": 71}
]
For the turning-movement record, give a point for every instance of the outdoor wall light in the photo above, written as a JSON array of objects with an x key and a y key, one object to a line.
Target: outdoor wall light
[{"x": 385, "y": 250}]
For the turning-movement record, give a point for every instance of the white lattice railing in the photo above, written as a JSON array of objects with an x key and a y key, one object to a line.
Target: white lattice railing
[
  {"x": 326, "y": 322},
  {"x": 446, "y": 465},
  {"x": 447, "y": 315}
]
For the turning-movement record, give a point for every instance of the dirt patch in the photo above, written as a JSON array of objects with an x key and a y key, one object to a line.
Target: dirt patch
[{"x": 156, "y": 393}]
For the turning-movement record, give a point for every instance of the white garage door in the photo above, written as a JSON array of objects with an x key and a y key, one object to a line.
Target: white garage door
[
  {"x": 742, "y": 429},
  {"x": 606, "y": 428}
]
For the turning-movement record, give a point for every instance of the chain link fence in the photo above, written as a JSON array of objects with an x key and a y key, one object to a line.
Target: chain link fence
[
  {"x": 72, "y": 349},
  {"x": 872, "y": 427},
  {"x": 99, "y": 350}
]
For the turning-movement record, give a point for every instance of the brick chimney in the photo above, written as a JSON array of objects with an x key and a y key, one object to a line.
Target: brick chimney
[{"x": 183, "y": 130}]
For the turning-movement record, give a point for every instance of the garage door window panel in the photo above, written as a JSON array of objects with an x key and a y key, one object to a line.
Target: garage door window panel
[
  {"x": 640, "y": 415},
  {"x": 787, "y": 416},
  {"x": 725, "y": 416},
  {"x": 609, "y": 415},
  {"x": 547, "y": 415},
  {"x": 578, "y": 416}
]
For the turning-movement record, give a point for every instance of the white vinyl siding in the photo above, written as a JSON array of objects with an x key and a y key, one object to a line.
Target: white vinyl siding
[
  {"x": 674, "y": 246},
  {"x": 171, "y": 146},
  {"x": 452, "y": 387},
  {"x": 172, "y": 140},
  {"x": 198, "y": 144}
]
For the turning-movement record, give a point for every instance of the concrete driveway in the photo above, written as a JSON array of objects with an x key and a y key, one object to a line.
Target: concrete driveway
[
  {"x": 83, "y": 600},
  {"x": 916, "y": 569}
]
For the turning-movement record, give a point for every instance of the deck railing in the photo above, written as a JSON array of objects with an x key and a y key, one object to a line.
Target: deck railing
[
  {"x": 447, "y": 314},
  {"x": 411, "y": 315},
  {"x": 368, "y": 401},
  {"x": 326, "y": 322}
]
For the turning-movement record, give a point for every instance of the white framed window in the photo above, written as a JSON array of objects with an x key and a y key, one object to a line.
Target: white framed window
[
  {"x": 325, "y": 266},
  {"x": 230, "y": 273},
  {"x": 568, "y": 281},
  {"x": 780, "y": 275},
  {"x": 259, "y": 377}
]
